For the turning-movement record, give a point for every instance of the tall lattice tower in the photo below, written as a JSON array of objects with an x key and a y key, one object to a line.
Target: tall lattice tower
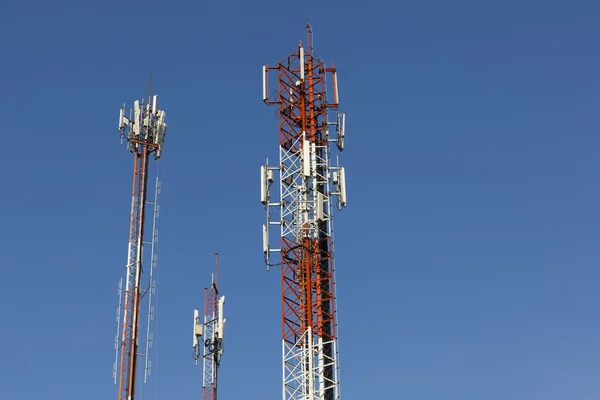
[
  {"x": 309, "y": 185},
  {"x": 211, "y": 327},
  {"x": 144, "y": 129}
]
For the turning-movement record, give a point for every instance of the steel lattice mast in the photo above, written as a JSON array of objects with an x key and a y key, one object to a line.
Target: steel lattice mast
[
  {"x": 144, "y": 130},
  {"x": 307, "y": 187},
  {"x": 212, "y": 327}
]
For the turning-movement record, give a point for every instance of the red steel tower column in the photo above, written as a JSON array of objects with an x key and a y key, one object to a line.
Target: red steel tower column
[{"x": 308, "y": 184}]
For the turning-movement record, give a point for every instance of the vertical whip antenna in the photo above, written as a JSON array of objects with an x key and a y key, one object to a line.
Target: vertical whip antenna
[
  {"x": 149, "y": 86},
  {"x": 309, "y": 34}
]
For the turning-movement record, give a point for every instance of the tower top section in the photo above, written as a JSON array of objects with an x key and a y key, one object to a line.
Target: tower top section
[{"x": 143, "y": 125}]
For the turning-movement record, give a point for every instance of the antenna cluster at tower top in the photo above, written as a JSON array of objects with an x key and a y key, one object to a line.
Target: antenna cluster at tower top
[{"x": 145, "y": 124}]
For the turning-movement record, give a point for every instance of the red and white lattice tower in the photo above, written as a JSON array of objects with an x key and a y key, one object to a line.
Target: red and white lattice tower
[
  {"x": 208, "y": 337},
  {"x": 309, "y": 188},
  {"x": 144, "y": 129}
]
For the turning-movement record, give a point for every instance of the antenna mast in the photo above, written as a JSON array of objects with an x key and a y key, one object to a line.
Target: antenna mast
[
  {"x": 211, "y": 327},
  {"x": 309, "y": 186},
  {"x": 144, "y": 130}
]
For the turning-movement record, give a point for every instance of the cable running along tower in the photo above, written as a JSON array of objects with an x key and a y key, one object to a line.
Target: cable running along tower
[
  {"x": 309, "y": 188},
  {"x": 212, "y": 327},
  {"x": 144, "y": 128}
]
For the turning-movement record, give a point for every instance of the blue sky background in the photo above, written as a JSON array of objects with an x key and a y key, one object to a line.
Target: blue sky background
[{"x": 467, "y": 257}]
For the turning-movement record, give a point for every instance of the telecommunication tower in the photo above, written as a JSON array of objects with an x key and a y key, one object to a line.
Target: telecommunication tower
[
  {"x": 211, "y": 327},
  {"x": 144, "y": 129},
  {"x": 308, "y": 186}
]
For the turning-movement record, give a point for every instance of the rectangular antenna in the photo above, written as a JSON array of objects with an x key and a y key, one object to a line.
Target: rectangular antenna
[
  {"x": 336, "y": 99},
  {"x": 343, "y": 187},
  {"x": 305, "y": 155},
  {"x": 263, "y": 185},
  {"x": 265, "y": 239},
  {"x": 221, "y": 321},
  {"x": 319, "y": 206},
  {"x": 154, "y": 98},
  {"x": 121, "y": 116},
  {"x": 136, "y": 118},
  {"x": 302, "y": 63},
  {"x": 197, "y": 328}
]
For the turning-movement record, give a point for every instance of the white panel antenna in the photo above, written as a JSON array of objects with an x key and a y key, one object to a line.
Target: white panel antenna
[
  {"x": 136, "y": 118},
  {"x": 263, "y": 185},
  {"x": 221, "y": 321},
  {"x": 154, "y": 98},
  {"x": 265, "y": 239},
  {"x": 319, "y": 206},
  {"x": 266, "y": 179},
  {"x": 336, "y": 98},
  {"x": 121, "y": 118},
  {"x": 265, "y": 96},
  {"x": 305, "y": 155},
  {"x": 341, "y": 130},
  {"x": 197, "y": 328},
  {"x": 342, "y": 187},
  {"x": 302, "y": 63},
  {"x": 147, "y": 119}
]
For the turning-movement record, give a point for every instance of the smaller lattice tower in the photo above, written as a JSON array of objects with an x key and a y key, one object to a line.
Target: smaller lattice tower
[{"x": 208, "y": 336}]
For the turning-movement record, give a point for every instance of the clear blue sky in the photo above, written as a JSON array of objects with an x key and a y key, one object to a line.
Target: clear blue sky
[{"x": 468, "y": 254}]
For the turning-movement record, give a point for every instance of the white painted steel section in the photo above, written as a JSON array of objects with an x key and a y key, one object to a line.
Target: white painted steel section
[{"x": 303, "y": 366}]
